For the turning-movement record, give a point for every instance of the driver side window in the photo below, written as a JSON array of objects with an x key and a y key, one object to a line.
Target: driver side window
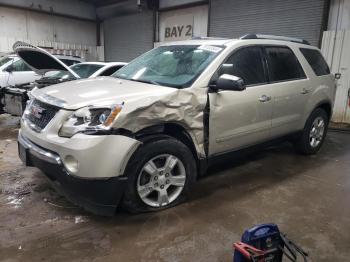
[
  {"x": 246, "y": 63},
  {"x": 20, "y": 66}
]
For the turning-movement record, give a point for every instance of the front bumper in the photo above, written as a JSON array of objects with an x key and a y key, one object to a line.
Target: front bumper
[
  {"x": 84, "y": 156},
  {"x": 99, "y": 196}
]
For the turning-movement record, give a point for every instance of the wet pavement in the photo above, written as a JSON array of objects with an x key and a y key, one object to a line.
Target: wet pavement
[{"x": 308, "y": 197}]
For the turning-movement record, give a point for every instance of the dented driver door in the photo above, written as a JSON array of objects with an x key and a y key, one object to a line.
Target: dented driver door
[{"x": 238, "y": 119}]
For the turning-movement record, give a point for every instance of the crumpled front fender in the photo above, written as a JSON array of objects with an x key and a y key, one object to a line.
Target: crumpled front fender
[{"x": 183, "y": 106}]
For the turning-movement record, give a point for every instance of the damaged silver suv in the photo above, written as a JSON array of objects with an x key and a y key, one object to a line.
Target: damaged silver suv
[{"x": 142, "y": 137}]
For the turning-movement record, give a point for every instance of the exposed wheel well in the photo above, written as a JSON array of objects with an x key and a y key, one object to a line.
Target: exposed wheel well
[
  {"x": 171, "y": 129},
  {"x": 326, "y": 107}
]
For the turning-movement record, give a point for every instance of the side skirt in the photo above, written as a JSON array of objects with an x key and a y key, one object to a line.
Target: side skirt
[{"x": 226, "y": 156}]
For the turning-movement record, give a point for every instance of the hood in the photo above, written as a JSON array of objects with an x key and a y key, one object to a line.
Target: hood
[
  {"x": 98, "y": 91},
  {"x": 39, "y": 60}
]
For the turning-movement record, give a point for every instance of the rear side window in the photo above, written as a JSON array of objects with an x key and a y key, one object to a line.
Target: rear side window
[
  {"x": 246, "y": 63},
  {"x": 283, "y": 64},
  {"x": 316, "y": 61}
]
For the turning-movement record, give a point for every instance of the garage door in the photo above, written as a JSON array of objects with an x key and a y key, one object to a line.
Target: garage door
[
  {"x": 126, "y": 37},
  {"x": 294, "y": 18}
]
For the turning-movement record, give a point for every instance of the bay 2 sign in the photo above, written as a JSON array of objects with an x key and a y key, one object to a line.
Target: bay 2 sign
[
  {"x": 178, "y": 32},
  {"x": 178, "y": 28}
]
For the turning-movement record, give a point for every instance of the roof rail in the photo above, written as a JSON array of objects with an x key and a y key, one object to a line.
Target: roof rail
[
  {"x": 208, "y": 38},
  {"x": 275, "y": 37}
]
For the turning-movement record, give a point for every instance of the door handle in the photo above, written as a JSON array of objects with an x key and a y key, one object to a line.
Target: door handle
[
  {"x": 264, "y": 98},
  {"x": 305, "y": 91}
]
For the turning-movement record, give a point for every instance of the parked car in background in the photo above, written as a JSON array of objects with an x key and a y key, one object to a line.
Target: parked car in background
[
  {"x": 83, "y": 70},
  {"x": 144, "y": 137},
  {"x": 15, "y": 72},
  {"x": 70, "y": 60},
  {"x": 54, "y": 71}
]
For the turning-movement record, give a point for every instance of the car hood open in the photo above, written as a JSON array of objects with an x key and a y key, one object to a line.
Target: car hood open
[{"x": 39, "y": 60}]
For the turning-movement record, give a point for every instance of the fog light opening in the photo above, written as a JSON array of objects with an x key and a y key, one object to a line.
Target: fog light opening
[{"x": 71, "y": 164}]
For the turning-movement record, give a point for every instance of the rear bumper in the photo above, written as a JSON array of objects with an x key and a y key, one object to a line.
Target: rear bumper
[{"x": 99, "y": 196}]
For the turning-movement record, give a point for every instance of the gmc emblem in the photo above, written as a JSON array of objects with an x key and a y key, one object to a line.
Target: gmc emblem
[{"x": 36, "y": 111}]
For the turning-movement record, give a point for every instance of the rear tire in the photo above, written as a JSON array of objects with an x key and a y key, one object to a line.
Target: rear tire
[
  {"x": 160, "y": 175},
  {"x": 314, "y": 133}
]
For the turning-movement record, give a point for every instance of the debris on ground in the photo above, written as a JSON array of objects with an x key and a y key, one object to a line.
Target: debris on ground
[{"x": 80, "y": 219}]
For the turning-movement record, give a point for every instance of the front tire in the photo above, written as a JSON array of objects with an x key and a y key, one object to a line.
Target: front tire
[
  {"x": 314, "y": 133},
  {"x": 160, "y": 175}
]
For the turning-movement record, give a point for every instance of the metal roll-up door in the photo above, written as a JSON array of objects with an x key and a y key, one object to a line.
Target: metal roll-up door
[
  {"x": 127, "y": 37},
  {"x": 293, "y": 18}
]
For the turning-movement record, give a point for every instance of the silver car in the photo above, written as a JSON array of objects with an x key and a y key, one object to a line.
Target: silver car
[{"x": 142, "y": 137}]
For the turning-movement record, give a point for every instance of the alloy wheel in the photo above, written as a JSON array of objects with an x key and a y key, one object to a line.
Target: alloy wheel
[
  {"x": 161, "y": 180},
  {"x": 317, "y": 132}
]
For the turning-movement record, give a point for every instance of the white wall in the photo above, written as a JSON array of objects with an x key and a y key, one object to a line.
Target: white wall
[
  {"x": 335, "y": 48},
  {"x": 195, "y": 16},
  {"x": 339, "y": 15},
  {"x": 75, "y": 8},
  {"x": 44, "y": 29}
]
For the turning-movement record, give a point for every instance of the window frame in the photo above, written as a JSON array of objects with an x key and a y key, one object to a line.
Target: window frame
[
  {"x": 268, "y": 66},
  {"x": 324, "y": 60},
  {"x": 264, "y": 64}
]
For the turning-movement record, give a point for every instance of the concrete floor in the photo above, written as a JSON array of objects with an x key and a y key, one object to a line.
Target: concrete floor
[{"x": 308, "y": 197}]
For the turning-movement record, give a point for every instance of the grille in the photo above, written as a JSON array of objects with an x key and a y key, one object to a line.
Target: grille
[{"x": 40, "y": 114}]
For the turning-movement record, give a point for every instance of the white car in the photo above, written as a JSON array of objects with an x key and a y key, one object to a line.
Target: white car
[
  {"x": 14, "y": 71},
  {"x": 15, "y": 97},
  {"x": 82, "y": 70},
  {"x": 70, "y": 60}
]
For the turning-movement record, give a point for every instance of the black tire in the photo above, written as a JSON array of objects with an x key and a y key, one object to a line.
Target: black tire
[
  {"x": 152, "y": 148},
  {"x": 302, "y": 143}
]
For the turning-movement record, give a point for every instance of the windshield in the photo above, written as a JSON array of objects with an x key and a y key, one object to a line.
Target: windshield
[
  {"x": 85, "y": 70},
  {"x": 175, "y": 66},
  {"x": 5, "y": 59},
  {"x": 82, "y": 70},
  {"x": 59, "y": 75}
]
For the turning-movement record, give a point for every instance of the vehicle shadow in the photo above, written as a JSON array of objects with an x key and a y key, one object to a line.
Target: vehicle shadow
[{"x": 259, "y": 169}]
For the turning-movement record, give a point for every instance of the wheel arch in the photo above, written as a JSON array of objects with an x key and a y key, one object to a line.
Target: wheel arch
[
  {"x": 174, "y": 130},
  {"x": 325, "y": 104}
]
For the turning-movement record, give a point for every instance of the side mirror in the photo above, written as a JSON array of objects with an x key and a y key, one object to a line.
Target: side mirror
[
  {"x": 337, "y": 76},
  {"x": 9, "y": 69},
  {"x": 229, "y": 82}
]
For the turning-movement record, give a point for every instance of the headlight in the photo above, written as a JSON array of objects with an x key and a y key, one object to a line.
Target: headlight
[{"x": 90, "y": 120}]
